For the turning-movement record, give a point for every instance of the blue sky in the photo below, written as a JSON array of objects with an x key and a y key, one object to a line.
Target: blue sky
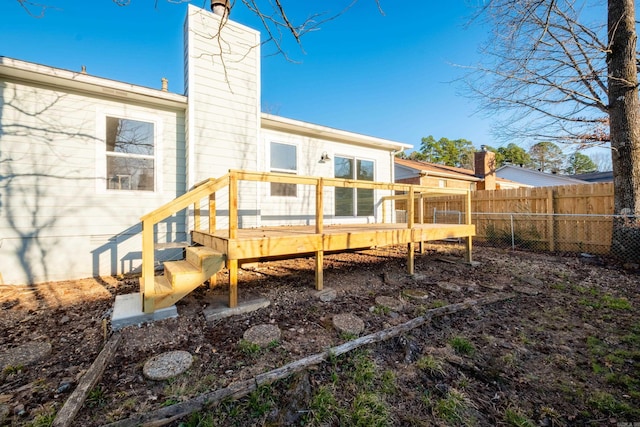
[{"x": 382, "y": 75}]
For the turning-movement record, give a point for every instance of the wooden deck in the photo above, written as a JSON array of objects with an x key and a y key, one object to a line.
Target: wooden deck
[{"x": 233, "y": 244}]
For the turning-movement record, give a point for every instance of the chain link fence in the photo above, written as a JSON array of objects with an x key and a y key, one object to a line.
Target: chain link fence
[{"x": 558, "y": 233}]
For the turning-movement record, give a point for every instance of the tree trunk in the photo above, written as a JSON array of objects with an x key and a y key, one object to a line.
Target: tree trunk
[{"x": 624, "y": 115}]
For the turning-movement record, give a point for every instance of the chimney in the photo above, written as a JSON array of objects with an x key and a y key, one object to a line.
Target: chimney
[
  {"x": 485, "y": 168},
  {"x": 220, "y": 7}
]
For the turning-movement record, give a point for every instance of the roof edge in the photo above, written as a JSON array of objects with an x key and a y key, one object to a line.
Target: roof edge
[
  {"x": 270, "y": 121},
  {"x": 61, "y": 78}
]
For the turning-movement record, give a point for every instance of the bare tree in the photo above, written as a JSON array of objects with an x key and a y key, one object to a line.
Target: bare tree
[
  {"x": 563, "y": 74},
  {"x": 624, "y": 126}
]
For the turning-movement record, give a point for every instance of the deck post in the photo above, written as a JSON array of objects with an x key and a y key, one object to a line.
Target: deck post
[
  {"x": 410, "y": 223},
  {"x": 468, "y": 240},
  {"x": 319, "y": 270},
  {"x": 421, "y": 219},
  {"x": 212, "y": 212},
  {"x": 212, "y": 227},
  {"x": 147, "y": 284},
  {"x": 319, "y": 230},
  {"x": 233, "y": 282},
  {"x": 196, "y": 215},
  {"x": 233, "y": 206},
  {"x": 233, "y": 234}
]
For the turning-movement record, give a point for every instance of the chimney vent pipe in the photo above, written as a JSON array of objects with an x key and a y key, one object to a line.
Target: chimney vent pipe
[{"x": 220, "y": 7}]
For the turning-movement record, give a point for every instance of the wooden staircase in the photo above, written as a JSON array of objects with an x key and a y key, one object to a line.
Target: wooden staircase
[{"x": 182, "y": 277}]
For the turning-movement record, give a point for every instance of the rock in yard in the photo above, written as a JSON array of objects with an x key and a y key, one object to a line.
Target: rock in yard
[
  {"x": 167, "y": 365},
  {"x": 327, "y": 295},
  {"x": 449, "y": 287},
  {"x": 262, "y": 335},
  {"x": 348, "y": 323},
  {"x": 416, "y": 294},
  {"x": 391, "y": 303},
  {"x": 493, "y": 286}
]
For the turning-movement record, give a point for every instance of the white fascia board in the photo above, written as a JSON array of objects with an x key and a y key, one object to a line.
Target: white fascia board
[
  {"x": 283, "y": 124},
  {"x": 85, "y": 83}
]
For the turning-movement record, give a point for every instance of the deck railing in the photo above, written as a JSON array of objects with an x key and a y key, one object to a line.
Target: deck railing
[{"x": 208, "y": 188}]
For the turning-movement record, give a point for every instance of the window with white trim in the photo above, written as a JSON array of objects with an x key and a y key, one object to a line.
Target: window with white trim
[
  {"x": 130, "y": 154},
  {"x": 284, "y": 159},
  {"x": 354, "y": 201}
]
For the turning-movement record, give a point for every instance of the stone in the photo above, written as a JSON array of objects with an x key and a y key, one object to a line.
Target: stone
[
  {"x": 493, "y": 286},
  {"x": 24, "y": 354},
  {"x": 65, "y": 385},
  {"x": 167, "y": 365},
  {"x": 219, "y": 309},
  {"x": 447, "y": 286},
  {"x": 416, "y": 294},
  {"x": 262, "y": 335},
  {"x": 389, "y": 302},
  {"x": 348, "y": 323},
  {"x": 326, "y": 295}
]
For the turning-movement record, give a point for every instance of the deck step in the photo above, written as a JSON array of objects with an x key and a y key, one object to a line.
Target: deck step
[
  {"x": 178, "y": 272},
  {"x": 162, "y": 286},
  {"x": 196, "y": 255}
]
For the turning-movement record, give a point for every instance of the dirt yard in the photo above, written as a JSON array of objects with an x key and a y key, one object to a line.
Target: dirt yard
[{"x": 564, "y": 350}]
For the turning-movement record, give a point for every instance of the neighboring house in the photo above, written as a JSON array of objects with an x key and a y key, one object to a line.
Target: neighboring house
[
  {"x": 595, "y": 177},
  {"x": 442, "y": 176},
  {"x": 535, "y": 178},
  {"x": 82, "y": 158}
]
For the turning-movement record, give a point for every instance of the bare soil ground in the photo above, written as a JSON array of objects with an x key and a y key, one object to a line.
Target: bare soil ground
[{"x": 565, "y": 350}]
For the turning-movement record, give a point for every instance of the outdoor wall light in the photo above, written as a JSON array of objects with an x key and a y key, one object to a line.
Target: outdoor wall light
[{"x": 324, "y": 157}]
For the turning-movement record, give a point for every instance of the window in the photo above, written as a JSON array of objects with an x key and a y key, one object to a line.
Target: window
[
  {"x": 353, "y": 201},
  {"x": 442, "y": 183},
  {"x": 130, "y": 154},
  {"x": 284, "y": 159}
]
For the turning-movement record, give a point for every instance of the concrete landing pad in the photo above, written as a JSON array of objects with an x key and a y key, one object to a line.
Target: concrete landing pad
[
  {"x": 219, "y": 308},
  {"x": 127, "y": 311}
]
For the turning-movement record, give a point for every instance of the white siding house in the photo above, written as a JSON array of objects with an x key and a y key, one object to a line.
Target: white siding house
[{"x": 82, "y": 158}]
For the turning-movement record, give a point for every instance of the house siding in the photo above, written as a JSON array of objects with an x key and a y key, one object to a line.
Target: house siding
[
  {"x": 300, "y": 210},
  {"x": 57, "y": 220}
]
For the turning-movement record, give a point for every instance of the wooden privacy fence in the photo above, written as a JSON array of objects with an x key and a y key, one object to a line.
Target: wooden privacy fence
[{"x": 573, "y": 218}]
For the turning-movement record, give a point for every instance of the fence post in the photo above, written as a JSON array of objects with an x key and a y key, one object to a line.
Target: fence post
[
  {"x": 550, "y": 221},
  {"x": 513, "y": 237}
]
